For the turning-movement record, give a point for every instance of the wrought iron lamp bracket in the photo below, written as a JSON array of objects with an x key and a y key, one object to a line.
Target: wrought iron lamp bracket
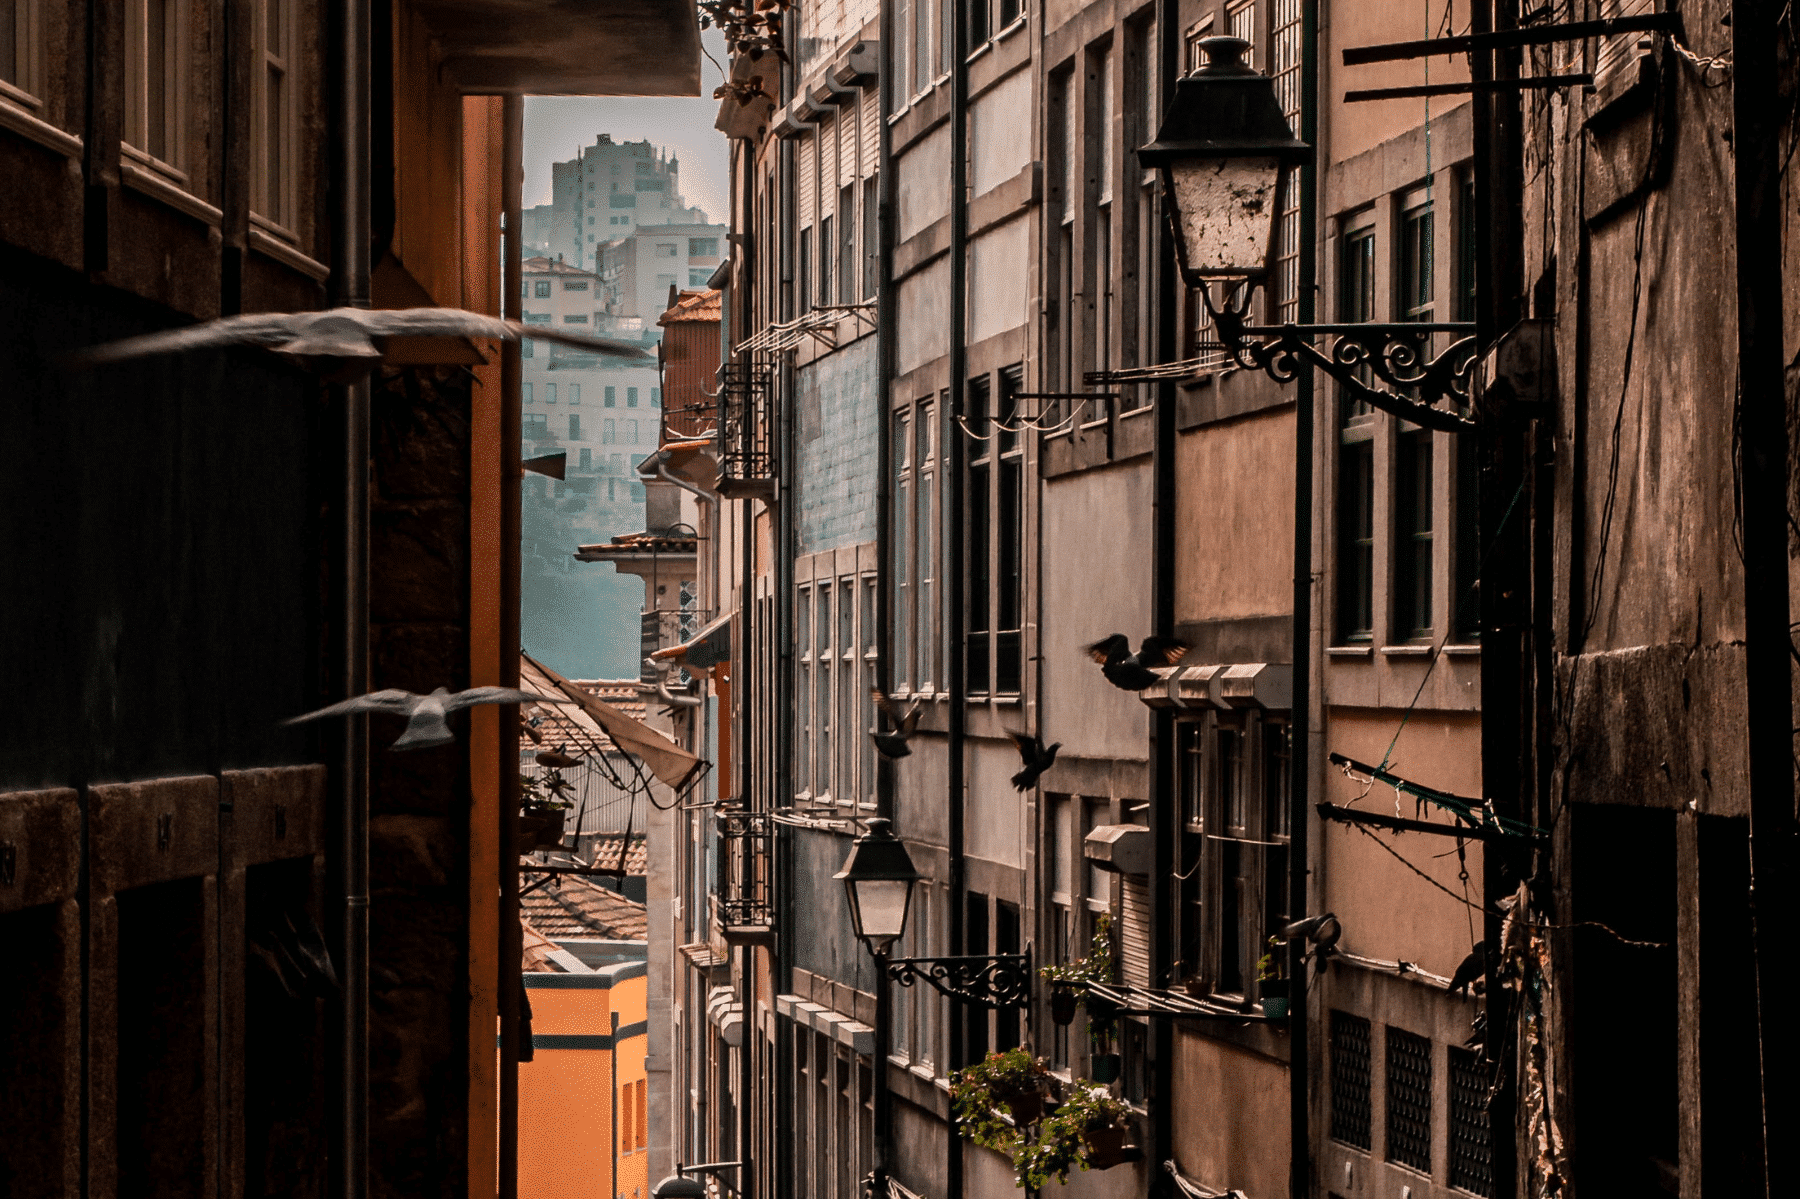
[
  {"x": 1434, "y": 393},
  {"x": 1395, "y": 354},
  {"x": 991, "y": 980}
]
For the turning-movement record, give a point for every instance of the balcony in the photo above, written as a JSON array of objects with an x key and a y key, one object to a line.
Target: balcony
[
  {"x": 744, "y": 908},
  {"x": 747, "y": 430}
]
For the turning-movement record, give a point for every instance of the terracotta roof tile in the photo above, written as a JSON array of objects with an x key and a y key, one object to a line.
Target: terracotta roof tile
[
  {"x": 695, "y": 306},
  {"x": 572, "y": 907}
]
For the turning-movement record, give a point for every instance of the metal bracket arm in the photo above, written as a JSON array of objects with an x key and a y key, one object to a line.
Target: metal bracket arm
[{"x": 996, "y": 980}]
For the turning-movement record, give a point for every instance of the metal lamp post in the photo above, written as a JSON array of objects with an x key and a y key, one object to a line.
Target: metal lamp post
[{"x": 878, "y": 879}]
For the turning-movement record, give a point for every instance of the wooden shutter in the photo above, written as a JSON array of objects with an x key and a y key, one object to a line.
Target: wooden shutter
[
  {"x": 849, "y": 130},
  {"x": 870, "y": 114},
  {"x": 1134, "y": 930},
  {"x": 809, "y": 179}
]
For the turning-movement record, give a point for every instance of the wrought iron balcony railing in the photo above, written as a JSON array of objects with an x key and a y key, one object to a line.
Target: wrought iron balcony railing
[{"x": 747, "y": 429}]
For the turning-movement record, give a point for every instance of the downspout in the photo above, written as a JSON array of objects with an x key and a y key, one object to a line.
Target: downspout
[
  {"x": 511, "y": 948},
  {"x": 1163, "y": 816},
  {"x": 954, "y": 537},
  {"x": 350, "y": 288},
  {"x": 1768, "y": 676},
  {"x": 1301, "y": 1026}
]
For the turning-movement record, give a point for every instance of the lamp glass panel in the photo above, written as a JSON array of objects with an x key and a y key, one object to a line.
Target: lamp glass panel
[
  {"x": 881, "y": 908},
  {"x": 1227, "y": 211}
]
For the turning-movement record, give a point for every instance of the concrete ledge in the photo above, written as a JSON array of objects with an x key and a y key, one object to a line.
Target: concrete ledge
[{"x": 845, "y": 1031}]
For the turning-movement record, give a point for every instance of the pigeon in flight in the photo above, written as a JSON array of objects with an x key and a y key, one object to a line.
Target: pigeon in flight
[
  {"x": 893, "y": 745},
  {"x": 425, "y": 713},
  {"x": 1036, "y": 758},
  {"x": 1473, "y": 967},
  {"x": 342, "y": 344},
  {"x": 1131, "y": 672}
]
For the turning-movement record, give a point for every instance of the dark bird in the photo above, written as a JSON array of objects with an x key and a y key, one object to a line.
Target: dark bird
[
  {"x": 1131, "y": 672},
  {"x": 343, "y": 344},
  {"x": 556, "y": 757},
  {"x": 893, "y": 745},
  {"x": 1473, "y": 967},
  {"x": 1036, "y": 758},
  {"x": 425, "y": 713}
]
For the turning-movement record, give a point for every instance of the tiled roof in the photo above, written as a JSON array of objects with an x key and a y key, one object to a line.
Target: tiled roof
[
  {"x": 606, "y": 852},
  {"x": 705, "y": 305},
  {"x": 551, "y": 266},
  {"x": 631, "y": 544},
  {"x": 566, "y": 724},
  {"x": 573, "y": 907}
]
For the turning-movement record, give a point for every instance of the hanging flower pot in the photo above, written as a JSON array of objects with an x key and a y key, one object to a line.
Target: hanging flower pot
[
  {"x": 1062, "y": 1005},
  {"x": 1274, "y": 997},
  {"x": 1027, "y": 1107},
  {"x": 1104, "y": 1067},
  {"x": 1106, "y": 1147}
]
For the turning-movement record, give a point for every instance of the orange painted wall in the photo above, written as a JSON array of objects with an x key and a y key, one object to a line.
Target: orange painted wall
[{"x": 566, "y": 1096}]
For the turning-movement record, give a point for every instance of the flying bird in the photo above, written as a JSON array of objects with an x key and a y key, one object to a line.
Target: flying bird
[
  {"x": 893, "y": 745},
  {"x": 1131, "y": 672},
  {"x": 1036, "y": 758},
  {"x": 425, "y": 713},
  {"x": 342, "y": 344},
  {"x": 1473, "y": 967},
  {"x": 557, "y": 757}
]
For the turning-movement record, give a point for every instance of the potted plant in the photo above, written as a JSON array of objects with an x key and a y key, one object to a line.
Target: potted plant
[
  {"x": 543, "y": 805},
  {"x": 1070, "y": 981},
  {"x": 1272, "y": 981},
  {"x": 1088, "y": 1131},
  {"x": 1012, "y": 1082}
]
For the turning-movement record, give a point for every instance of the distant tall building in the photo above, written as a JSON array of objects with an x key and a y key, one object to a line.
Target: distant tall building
[
  {"x": 638, "y": 272},
  {"x": 606, "y": 192}
]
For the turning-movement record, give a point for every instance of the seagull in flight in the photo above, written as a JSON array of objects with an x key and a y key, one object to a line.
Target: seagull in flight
[
  {"x": 342, "y": 344},
  {"x": 1131, "y": 672},
  {"x": 425, "y": 714}
]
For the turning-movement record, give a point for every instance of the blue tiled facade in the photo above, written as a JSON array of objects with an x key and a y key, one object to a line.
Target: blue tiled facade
[{"x": 837, "y": 406}]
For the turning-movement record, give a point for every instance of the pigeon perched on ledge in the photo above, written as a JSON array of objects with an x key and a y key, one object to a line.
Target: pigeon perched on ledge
[
  {"x": 341, "y": 343},
  {"x": 1131, "y": 672},
  {"x": 425, "y": 724}
]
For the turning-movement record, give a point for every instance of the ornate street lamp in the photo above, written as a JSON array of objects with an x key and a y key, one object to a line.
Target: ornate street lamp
[
  {"x": 878, "y": 878},
  {"x": 1224, "y": 153}
]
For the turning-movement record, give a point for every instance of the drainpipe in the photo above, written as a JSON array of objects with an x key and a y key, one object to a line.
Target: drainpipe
[
  {"x": 1764, "y": 474},
  {"x": 954, "y": 537},
  {"x": 1301, "y": 1027},
  {"x": 1163, "y": 817},
  {"x": 350, "y": 288},
  {"x": 511, "y": 948},
  {"x": 662, "y": 668}
]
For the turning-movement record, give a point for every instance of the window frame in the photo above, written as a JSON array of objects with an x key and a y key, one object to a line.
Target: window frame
[{"x": 137, "y": 131}]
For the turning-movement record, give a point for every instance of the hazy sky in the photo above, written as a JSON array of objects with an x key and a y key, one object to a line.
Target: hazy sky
[{"x": 556, "y": 126}]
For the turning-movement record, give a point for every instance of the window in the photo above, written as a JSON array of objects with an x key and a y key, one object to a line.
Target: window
[
  {"x": 574, "y": 393},
  {"x": 1416, "y": 263},
  {"x": 587, "y": 459},
  {"x": 827, "y": 248},
  {"x": 1412, "y": 536},
  {"x": 871, "y": 235},
  {"x": 903, "y": 580},
  {"x": 525, "y": 392},
  {"x": 536, "y": 424},
  {"x": 18, "y": 44},
  {"x": 924, "y": 12},
  {"x": 823, "y": 708},
  {"x": 574, "y": 426},
  {"x": 609, "y": 433},
  {"x": 1471, "y": 1143},
  {"x": 703, "y": 247},
  {"x": 575, "y": 318},
  {"x": 1408, "y": 1099},
  {"x": 1284, "y": 53},
  {"x": 1350, "y": 1076},
  {"x": 1193, "y": 57},
  {"x": 1103, "y": 330},
  {"x": 274, "y": 184},
  {"x": 1232, "y": 782},
  {"x": 541, "y": 288},
  {"x": 631, "y": 397},
  {"x": 803, "y": 270},
  {"x": 575, "y": 284},
  {"x": 527, "y": 348},
  {"x": 1467, "y": 247},
  {"x": 155, "y": 58},
  {"x": 979, "y": 575},
  {"x": 1241, "y": 22},
  {"x": 665, "y": 249},
  {"x": 928, "y": 615},
  {"x": 846, "y": 245},
  {"x": 1355, "y": 616},
  {"x": 656, "y": 397},
  {"x": 630, "y": 432},
  {"x": 549, "y": 393},
  {"x": 612, "y": 397},
  {"x": 699, "y": 278}
]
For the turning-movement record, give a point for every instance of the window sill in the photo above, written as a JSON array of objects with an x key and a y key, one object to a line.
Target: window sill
[
  {"x": 1463, "y": 651},
  {"x": 1406, "y": 651},
  {"x": 14, "y": 115},
  {"x": 1350, "y": 651},
  {"x": 154, "y": 185}
]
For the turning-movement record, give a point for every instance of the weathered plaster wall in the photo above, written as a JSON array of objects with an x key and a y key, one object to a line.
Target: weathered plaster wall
[
  {"x": 1231, "y": 1116},
  {"x": 837, "y": 407}
]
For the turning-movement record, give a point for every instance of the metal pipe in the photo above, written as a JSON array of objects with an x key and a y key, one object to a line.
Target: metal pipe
[
  {"x": 954, "y": 539},
  {"x": 1768, "y": 712},
  {"x": 1301, "y": 1025},
  {"x": 350, "y": 182},
  {"x": 511, "y": 947},
  {"x": 1160, "y": 752}
]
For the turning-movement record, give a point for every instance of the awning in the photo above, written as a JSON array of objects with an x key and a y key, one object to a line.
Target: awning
[
  {"x": 666, "y": 760},
  {"x": 707, "y": 648}
]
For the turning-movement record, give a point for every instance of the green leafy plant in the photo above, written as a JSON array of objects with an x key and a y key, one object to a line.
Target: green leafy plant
[
  {"x": 546, "y": 792},
  {"x": 997, "y": 1097},
  {"x": 1096, "y": 967},
  {"x": 1066, "y": 1138},
  {"x": 1269, "y": 967}
]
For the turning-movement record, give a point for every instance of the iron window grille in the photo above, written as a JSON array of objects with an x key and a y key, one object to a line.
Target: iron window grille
[
  {"x": 1471, "y": 1142},
  {"x": 745, "y": 896},
  {"x": 1409, "y": 1099},
  {"x": 746, "y": 426},
  {"x": 1350, "y": 1073}
]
